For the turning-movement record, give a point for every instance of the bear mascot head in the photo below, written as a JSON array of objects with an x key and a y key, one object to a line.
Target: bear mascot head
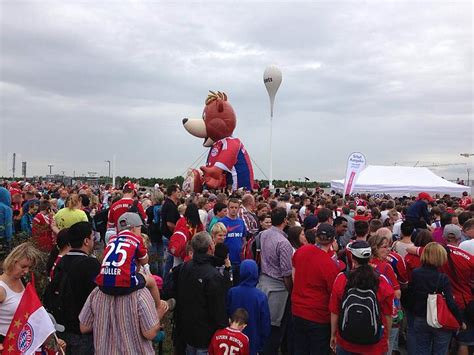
[{"x": 228, "y": 163}]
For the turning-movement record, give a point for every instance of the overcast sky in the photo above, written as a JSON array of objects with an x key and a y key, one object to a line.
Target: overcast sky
[{"x": 82, "y": 81}]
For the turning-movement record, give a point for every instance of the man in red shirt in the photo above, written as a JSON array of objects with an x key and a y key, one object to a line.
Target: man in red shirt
[
  {"x": 124, "y": 204},
  {"x": 460, "y": 271},
  {"x": 465, "y": 200},
  {"x": 44, "y": 227},
  {"x": 361, "y": 214},
  {"x": 231, "y": 340},
  {"x": 314, "y": 274}
]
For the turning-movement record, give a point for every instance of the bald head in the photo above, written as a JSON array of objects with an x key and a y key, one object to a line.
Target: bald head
[{"x": 248, "y": 201}]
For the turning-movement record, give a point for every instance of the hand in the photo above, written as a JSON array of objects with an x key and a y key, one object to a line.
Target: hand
[
  {"x": 332, "y": 343},
  {"x": 227, "y": 262},
  {"x": 62, "y": 344},
  {"x": 463, "y": 326}
]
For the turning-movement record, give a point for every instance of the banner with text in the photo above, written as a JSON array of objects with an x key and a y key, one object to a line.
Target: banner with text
[{"x": 355, "y": 164}]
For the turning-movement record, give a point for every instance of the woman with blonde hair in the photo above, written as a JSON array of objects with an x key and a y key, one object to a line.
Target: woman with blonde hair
[
  {"x": 71, "y": 213},
  {"x": 380, "y": 245},
  {"x": 218, "y": 232},
  {"x": 425, "y": 280},
  {"x": 17, "y": 264}
]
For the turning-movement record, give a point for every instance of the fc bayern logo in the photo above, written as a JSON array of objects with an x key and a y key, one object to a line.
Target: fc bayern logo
[
  {"x": 214, "y": 152},
  {"x": 25, "y": 338}
]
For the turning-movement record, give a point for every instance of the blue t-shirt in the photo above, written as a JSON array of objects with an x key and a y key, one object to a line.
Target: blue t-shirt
[{"x": 236, "y": 232}]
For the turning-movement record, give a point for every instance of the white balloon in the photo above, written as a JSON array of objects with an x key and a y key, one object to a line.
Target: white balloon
[{"x": 272, "y": 80}]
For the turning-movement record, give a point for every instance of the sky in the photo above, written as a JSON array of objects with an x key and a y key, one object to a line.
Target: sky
[{"x": 83, "y": 81}]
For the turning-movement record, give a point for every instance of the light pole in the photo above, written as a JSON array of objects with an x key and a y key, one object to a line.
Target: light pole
[
  {"x": 108, "y": 162},
  {"x": 468, "y": 155},
  {"x": 50, "y": 168}
]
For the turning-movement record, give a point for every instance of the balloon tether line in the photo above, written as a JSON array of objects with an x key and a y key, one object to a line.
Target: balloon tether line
[{"x": 193, "y": 164}]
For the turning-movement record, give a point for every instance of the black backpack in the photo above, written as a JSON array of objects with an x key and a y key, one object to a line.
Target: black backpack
[
  {"x": 360, "y": 321},
  {"x": 59, "y": 296},
  {"x": 100, "y": 222}
]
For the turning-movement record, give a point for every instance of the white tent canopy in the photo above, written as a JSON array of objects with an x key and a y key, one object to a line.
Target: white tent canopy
[{"x": 400, "y": 180}]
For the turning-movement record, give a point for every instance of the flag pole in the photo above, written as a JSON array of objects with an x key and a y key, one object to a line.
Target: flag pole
[
  {"x": 271, "y": 149},
  {"x": 272, "y": 81}
]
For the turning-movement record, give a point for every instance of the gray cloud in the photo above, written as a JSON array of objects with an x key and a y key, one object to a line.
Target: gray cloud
[{"x": 83, "y": 81}]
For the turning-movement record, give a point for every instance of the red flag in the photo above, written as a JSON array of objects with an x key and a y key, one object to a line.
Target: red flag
[{"x": 30, "y": 326}]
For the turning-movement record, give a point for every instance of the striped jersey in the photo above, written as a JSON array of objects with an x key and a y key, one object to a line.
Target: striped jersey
[
  {"x": 230, "y": 155},
  {"x": 119, "y": 268}
]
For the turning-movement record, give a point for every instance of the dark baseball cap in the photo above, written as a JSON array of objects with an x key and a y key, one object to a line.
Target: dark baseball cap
[
  {"x": 326, "y": 231},
  {"x": 310, "y": 222}
]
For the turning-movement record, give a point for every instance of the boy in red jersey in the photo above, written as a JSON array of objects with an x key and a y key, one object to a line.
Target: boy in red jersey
[
  {"x": 123, "y": 256},
  {"x": 125, "y": 204},
  {"x": 231, "y": 340}
]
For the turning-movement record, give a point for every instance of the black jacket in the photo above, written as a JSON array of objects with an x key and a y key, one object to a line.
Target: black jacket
[
  {"x": 201, "y": 301},
  {"x": 427, "y": 280},
  {"x": 418, "y": 210},
  {"x": 82, "y": 271}
]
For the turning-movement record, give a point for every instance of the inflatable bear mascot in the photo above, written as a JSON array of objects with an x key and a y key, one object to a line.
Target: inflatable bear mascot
[{"x": 228, "y": 163}]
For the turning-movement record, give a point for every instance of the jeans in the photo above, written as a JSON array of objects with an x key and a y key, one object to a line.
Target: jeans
[
  {"x": 311, "y": 338},
  {"x": 431, "y": 341},
  {"x": 156, "y": 259},
  {"x": 273, "y": 342},
  {"x": 167, "y": 257},
  {"x": 78, "y": 344},
  {"x": 393, "y": 340},
  {"x": 411, "y": 334},
  {"x": 191, "y": 350}
]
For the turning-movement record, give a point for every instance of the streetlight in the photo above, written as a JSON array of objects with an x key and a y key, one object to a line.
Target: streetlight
[
  {"x": 467, "y": 155},
  {"x": 50, "y": 168},
  {"x": 108, "y": 162}
]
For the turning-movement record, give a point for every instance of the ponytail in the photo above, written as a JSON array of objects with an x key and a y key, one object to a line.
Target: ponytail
[
  {"x": 363, "y": 277},
  {"x": 72, "y": 201}
]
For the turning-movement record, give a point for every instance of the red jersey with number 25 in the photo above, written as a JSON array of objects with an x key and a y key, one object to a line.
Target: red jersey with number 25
[
  {"x": 119, "y": 266},
  {"x": 229, "y": 341}
]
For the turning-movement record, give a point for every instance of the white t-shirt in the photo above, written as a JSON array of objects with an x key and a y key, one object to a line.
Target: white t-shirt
[
  {"x": 8, "y": 307},
  {"x": 397, "y": 229},
  {"x": 401, "y": 248},
  {"x": 468, "y": 246},
  {"x": 302, "y": 212},
  {"x": 203, "y": 217}
]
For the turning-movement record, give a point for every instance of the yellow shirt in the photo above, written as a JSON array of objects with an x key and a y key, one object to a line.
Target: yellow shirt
[{"x": 66, "y": 217}]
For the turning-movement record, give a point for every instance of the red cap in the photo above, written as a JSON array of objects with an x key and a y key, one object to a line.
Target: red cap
[
  {"x": 15, "y": 185},
  {"x": 425, "y": 196},
  {"x": 14, "y": 192},
  {"x": 130, "y": 186}
]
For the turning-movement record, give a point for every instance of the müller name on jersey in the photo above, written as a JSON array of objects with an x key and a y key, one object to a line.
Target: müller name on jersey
[{"x": 110, "y": 271}]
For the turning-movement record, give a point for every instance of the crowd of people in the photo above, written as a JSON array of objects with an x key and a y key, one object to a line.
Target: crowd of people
[{"x": 295, "y": 271}]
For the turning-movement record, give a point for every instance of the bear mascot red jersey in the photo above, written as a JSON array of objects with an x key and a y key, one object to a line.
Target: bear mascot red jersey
[{"x": 228, "y": 163}]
